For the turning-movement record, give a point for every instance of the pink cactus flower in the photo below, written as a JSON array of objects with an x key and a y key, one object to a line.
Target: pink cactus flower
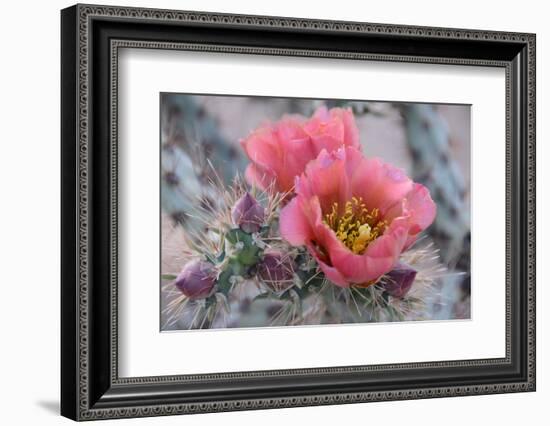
[
  {"x": 280, "y": 151},
  {"x": 355, "y": 215}
]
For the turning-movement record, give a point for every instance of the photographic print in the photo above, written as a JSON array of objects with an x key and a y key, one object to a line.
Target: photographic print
[{"x": 293, "y": 212}]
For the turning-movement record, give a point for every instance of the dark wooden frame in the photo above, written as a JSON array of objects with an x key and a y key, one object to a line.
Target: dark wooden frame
[{"x": 90, "y": 38}]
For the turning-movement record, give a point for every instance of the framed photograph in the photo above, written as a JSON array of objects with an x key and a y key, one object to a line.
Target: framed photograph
[{"x": 263, "y": 212}]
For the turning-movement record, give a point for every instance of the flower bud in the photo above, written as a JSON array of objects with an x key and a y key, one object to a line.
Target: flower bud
[
  {"x": 276, "y": 271},
  {"x": 399, "y": 280},
  {"x": 196, "y": 279},
  {"x": 248, "y": 214}
]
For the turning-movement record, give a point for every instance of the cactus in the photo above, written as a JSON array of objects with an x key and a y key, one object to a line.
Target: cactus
[
  {"x": 191, "y": 144},
  {"x": 189, "y": 126},
  {"x": 429, "y": 143},
  {"x": 261, "y": 280}
]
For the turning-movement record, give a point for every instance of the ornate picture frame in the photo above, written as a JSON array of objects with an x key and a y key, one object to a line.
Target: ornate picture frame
[{"x": 91, "y": 37}]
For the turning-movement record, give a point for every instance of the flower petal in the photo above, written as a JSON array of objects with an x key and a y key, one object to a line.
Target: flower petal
[
  {"x": 326, "y": 130},
  {"x": 379, "y": 257},
  {"x": 328, "y": 180},
  {"x": 333, "y": 274},
  {"x": 255, "y": 176},
  {"x": 422, "y": 210},
  {"x": 263, "y": 149},
  {"x": 293, "y": 223},
  {"x": 297, "y": 153},
  {"x": 290, "y": 128},
  {"x": 421, "y": 207},
  {"x": 380, "y": 185},
  {"x": 351, "y": 132}
]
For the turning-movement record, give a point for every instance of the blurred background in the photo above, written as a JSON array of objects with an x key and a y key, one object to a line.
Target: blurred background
[{"x": 431, "y": 142}]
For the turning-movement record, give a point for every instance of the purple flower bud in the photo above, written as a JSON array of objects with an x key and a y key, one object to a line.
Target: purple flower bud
[
  {"x": 399, "y": 280},
  {"x": 276, "y": 271},
  {"x": 196, "y": 279},
  {"x": 248, "y": 214}
]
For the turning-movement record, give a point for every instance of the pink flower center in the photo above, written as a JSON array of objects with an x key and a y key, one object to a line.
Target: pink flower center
[{"x": 355, "y": 225}]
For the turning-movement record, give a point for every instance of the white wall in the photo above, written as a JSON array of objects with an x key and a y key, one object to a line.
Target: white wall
[{"x": 29, "y": 211}]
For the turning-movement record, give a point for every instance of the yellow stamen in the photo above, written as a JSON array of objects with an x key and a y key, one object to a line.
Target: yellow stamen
[{"x": 356, "y": 226}]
